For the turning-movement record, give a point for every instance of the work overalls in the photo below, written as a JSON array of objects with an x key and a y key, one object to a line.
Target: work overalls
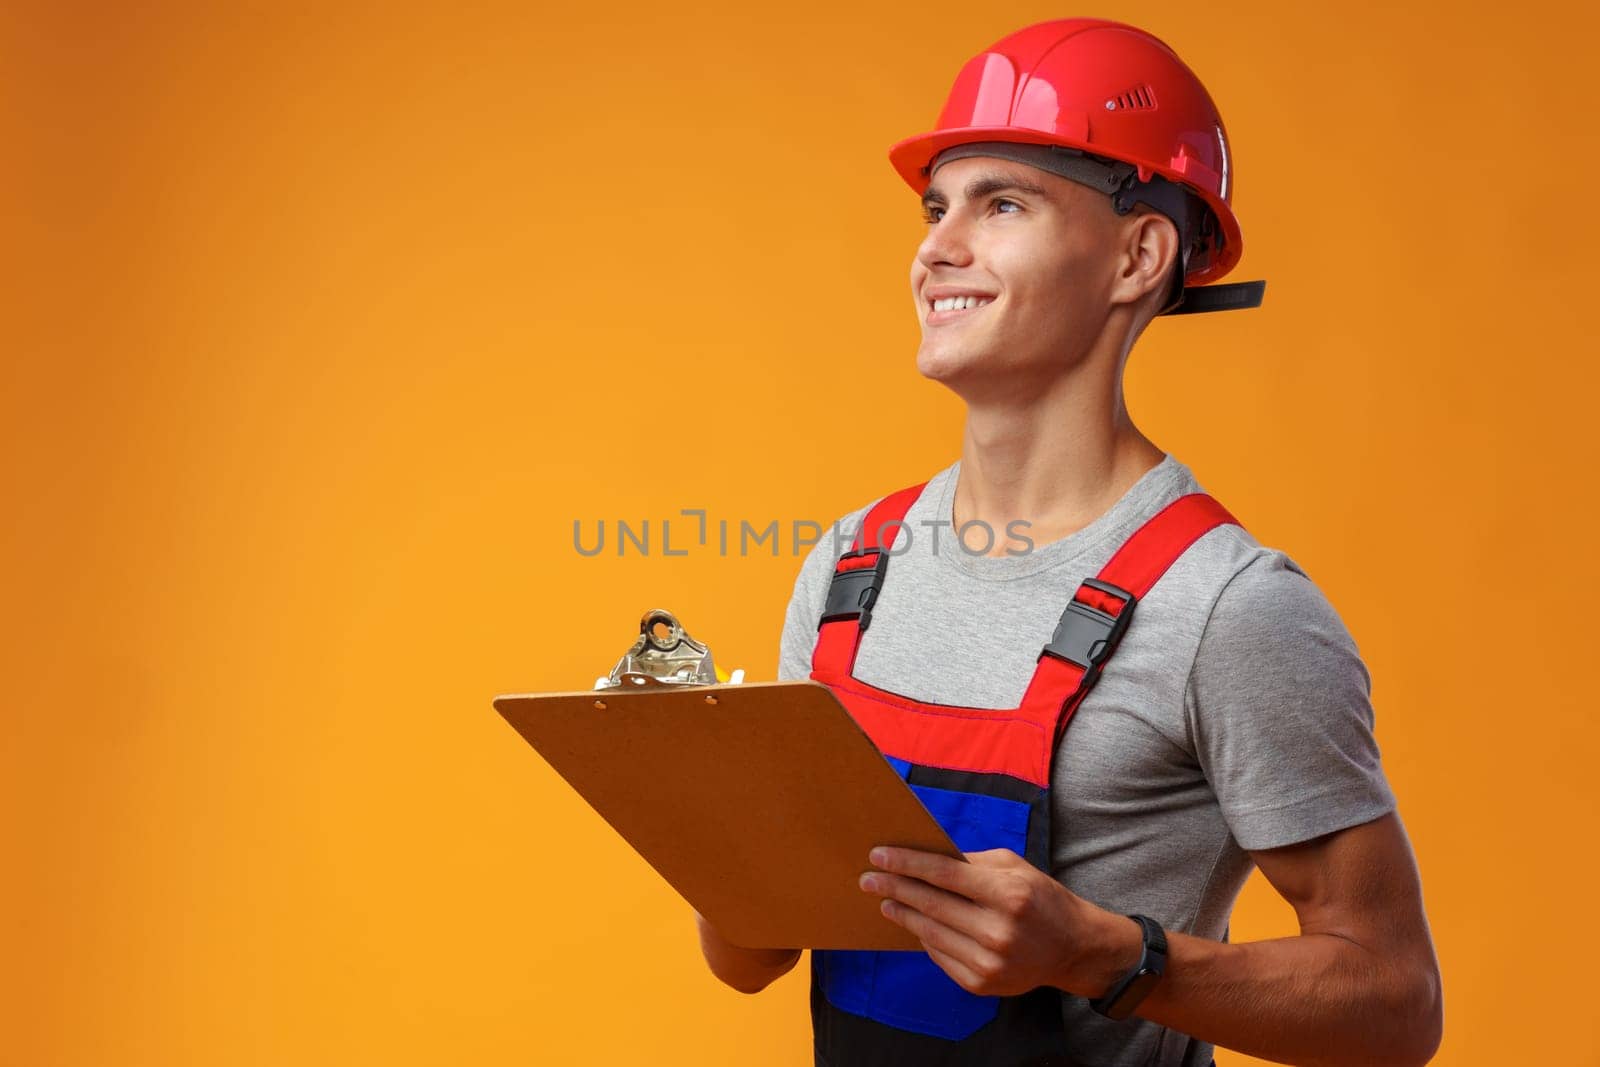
[{"x": 984, "y": 775}]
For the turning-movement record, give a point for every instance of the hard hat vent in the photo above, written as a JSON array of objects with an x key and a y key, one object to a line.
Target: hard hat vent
[{"x": 1139, "y": 98}]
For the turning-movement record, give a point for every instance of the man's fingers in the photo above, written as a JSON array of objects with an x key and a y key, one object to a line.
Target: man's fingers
[
  {"x": 941, "y": 904},
  {"x": 974, "y": 878},
  {"x": 958, "y": 971},
  {"x": 936, "y": 937},
  {"x": 995, "y": 857}
]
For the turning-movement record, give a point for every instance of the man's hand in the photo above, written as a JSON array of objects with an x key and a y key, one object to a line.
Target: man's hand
[{"x": 998, "y": 925}]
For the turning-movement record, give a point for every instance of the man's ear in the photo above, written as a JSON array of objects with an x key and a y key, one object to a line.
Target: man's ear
[{"x": 1147, "y": 255}]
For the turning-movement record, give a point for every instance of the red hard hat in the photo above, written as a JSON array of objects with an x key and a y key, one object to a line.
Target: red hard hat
[{"x": 1112, "y": 92}]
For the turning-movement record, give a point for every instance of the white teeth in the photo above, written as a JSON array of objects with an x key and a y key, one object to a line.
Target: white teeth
[{"x": 951, "y": 303}]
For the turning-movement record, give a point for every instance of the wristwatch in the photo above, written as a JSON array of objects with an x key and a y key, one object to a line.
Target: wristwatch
[{"x": 1126, "y": 992}]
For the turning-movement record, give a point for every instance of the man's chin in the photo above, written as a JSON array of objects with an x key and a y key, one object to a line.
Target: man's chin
[{"x": 946, "y": 365}]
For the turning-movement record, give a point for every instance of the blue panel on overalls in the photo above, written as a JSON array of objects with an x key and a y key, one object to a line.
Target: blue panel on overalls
[{"x": 907, "y": 989}]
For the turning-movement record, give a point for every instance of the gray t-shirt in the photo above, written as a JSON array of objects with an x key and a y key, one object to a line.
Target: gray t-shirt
[{"x": 1234, "y": 715}]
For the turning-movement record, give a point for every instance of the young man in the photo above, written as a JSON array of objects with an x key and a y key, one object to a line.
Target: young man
[{"x": 1112, "y": 790}]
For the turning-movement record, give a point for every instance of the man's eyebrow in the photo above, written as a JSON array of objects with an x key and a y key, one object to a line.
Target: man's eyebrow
[{"x": 984, "y": 184}]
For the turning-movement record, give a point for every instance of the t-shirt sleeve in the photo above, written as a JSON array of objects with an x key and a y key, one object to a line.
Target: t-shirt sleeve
[
  {"x": 1280, "y": 706},
  {"x": 800, "y": 622}
]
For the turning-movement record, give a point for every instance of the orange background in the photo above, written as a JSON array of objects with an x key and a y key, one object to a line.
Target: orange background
[{"x": 324, "y": 326}]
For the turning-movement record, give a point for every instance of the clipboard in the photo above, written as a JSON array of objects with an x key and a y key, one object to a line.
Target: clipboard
[{"x": 757, "y": 802}]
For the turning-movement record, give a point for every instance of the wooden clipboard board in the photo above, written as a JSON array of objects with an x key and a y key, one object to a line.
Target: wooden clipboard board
[{"x": 757, "y": 802}]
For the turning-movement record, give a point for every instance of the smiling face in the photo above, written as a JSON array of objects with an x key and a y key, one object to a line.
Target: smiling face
[{"x": 1014, "y": 281}]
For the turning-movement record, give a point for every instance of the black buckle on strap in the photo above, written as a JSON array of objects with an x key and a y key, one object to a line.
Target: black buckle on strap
[
  {"x": 853, "y": 592},
  {"x": 1086, "y": 635}
]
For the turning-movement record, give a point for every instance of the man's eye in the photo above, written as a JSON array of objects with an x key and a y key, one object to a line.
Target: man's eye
[{"x": 931, "y": 215}]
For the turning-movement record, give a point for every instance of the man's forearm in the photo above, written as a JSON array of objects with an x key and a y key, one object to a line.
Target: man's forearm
[
  {"x": 749, "y": 970},
  {"x": 1317, "y": 999}
]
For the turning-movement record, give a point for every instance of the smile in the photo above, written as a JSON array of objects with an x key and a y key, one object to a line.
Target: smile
[{"x": 951, "y": 309}]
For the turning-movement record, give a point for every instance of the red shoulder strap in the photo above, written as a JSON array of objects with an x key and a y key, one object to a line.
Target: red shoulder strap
[
  {"x": 1166, "y": 535},
  {"x": 1094, "y": 621},
  {"x": 857, "y": 577},
  {"x": 887, "y": 514}
]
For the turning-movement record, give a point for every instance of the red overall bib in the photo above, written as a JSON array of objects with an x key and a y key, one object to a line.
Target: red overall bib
[{"x": 984, "y": 774}]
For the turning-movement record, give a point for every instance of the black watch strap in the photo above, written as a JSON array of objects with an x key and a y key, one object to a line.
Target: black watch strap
[{"x": 1125, "y": 993}]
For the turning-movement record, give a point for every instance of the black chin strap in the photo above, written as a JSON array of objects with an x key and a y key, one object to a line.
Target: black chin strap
[
  {"x": 1230, "y": 296},
  {"x": 1198, "y": 236}
]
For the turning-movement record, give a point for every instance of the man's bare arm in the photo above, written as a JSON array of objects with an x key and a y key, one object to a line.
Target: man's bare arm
[
  {"x": 1359, "y": 985},
  {"x": 749, "y": 970}
]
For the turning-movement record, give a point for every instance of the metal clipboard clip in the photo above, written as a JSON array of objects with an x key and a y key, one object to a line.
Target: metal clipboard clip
[{"x": 664, "y": 655}]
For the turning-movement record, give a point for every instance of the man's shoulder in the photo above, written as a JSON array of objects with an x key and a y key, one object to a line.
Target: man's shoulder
[
  {"x": 1271, "y": 597},
  {"x": 1254, "y": 595}
]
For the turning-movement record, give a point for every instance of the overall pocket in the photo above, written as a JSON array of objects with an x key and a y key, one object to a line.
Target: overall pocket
[{"x": 907, "y": 989}]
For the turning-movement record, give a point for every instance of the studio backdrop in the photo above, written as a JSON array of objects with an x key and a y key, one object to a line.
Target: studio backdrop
[{"x": 333, "y": 333}]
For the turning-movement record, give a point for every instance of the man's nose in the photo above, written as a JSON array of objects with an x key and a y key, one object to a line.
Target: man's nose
[{"x": 947, "y": 241}]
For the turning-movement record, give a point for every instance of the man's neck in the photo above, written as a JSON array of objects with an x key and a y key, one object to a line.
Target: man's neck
[{"x": 1057, "y": 461}]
